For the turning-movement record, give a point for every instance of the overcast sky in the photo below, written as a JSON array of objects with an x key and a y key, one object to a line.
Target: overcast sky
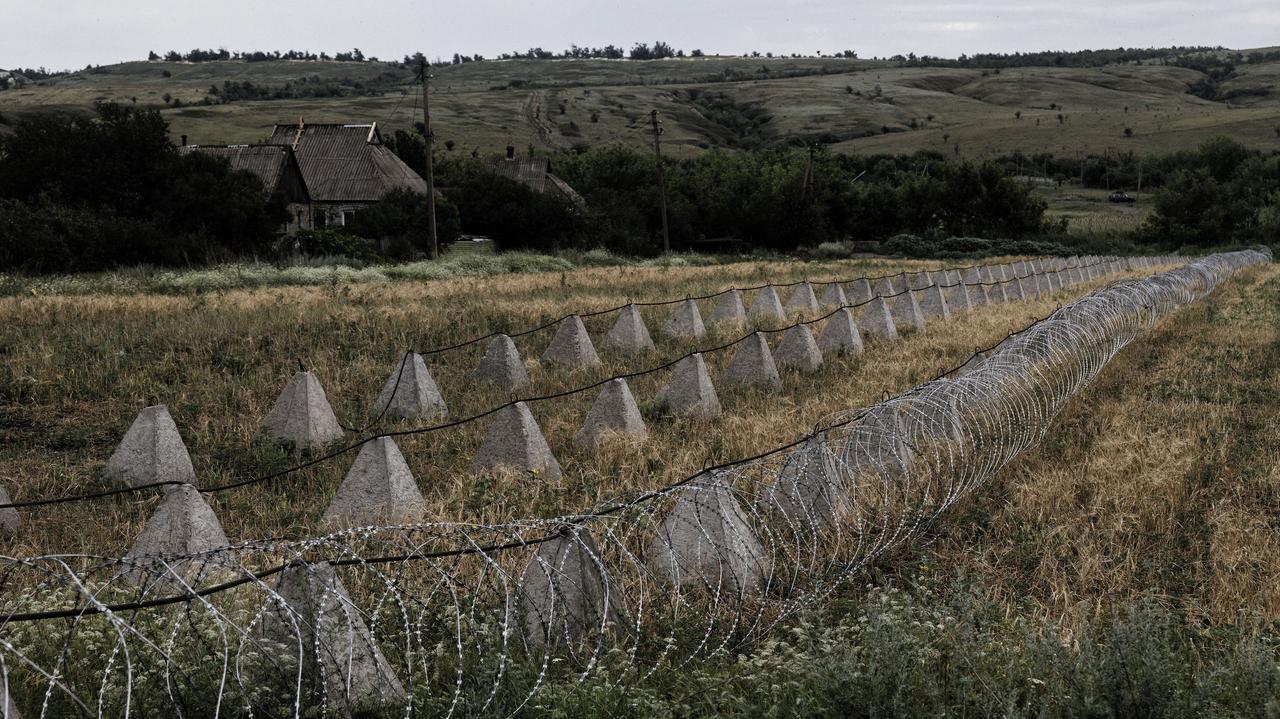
[{"x": 72, "y": 33}]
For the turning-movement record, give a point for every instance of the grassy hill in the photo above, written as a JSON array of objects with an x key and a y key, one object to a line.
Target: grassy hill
[{"x": 856, "y": 106}]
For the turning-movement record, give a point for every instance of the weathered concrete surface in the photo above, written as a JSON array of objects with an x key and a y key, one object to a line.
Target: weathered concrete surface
[
  {"x": 410, "y": 393},
  {"x": 903, "y": 307},
  {"x": 752, "y": 365},
  {"x": 378, "y": 489},
  {"x": 10, "y": 520},
  {"x": 629, "y": 335},
  {"x": 808, "y": 491},
  {"x": 978, "y": 294},
  {"x": 571, "y": 346},
  {"x": 932, "y": 304},
  {"x": 501, "y": 365},
  {"x": 995, "y": 288},
  {"x": 802, "y": 299},
  {"x": 152, "y": 451},
  {"x": 312, "y": 611},
  {"x": 182, "y": 524},
  {"x": 833, "y": 297},
  {"x": 840, "y": 335},
  {"x": 767, "y": 306},
  {"x": 685, "y": 322},
  {"x": 728, "y": 312},
  {"x": 707, "y": 542},
  {"x": 689, "y": 392},
  {"x": 615, "y": 411},
  {"x": 514, "y": 440},
  {"x": 956, "y": 293},
  {"x": 565, "y": 592},
  {"x": 860, "y": 291},
  {"x": 799, "y": 351},
  {"x": 876, "y": 321},
  {"x": 302, "y": 416}
]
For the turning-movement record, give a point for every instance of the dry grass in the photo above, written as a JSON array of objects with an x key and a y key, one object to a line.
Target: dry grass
[
  {"x": 1161, "y": 480},
  {"x": 77, "y": 369}
]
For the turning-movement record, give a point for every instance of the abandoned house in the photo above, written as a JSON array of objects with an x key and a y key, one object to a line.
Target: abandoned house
[
  {"x": 277, "y": 168},
  {"x": 535, "y": 173},
  {"x": 346, "y": 168}
]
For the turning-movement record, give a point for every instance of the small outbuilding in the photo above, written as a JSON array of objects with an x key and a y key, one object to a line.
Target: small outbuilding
[{"x": 276, "y": 166}]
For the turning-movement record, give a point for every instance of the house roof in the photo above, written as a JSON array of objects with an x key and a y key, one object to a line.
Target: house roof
[
  {"x": 268, "y": 162},
  {"x": 535, "y": 172},
  {"x": 346, "y": 163}
]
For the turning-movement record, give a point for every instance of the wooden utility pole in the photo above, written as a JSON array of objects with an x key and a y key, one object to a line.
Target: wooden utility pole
[
  {"x": 662, "y": 183},
  {"x": 433, "y": 245},
  {"x": 1137, "y": 195}
]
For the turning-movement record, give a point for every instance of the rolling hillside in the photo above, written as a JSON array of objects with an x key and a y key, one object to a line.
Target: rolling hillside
[{"x": 855, "y": 106}]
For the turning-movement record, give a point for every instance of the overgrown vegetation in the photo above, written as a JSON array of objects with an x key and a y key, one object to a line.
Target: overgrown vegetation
[{"x": 90, "y": 193}]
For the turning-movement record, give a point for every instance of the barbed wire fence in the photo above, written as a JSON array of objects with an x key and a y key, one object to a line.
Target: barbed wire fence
[
  {"x": 998, "y": 279},
  {"x": 456, "y": 619}
]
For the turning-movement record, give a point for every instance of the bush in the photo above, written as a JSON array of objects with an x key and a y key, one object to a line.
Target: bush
[{"x": 318, "y": 243}]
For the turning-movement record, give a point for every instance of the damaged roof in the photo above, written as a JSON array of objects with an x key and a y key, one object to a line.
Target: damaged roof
[{"x": 346, "y": 163}]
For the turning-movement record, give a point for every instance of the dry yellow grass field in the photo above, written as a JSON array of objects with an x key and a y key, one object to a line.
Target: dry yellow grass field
[
  {"x": 1161, "y": 480},
  {"x": 77, "y": 370}
]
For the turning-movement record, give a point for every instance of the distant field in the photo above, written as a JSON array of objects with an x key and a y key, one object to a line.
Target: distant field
[{"x": 855, "y": 106}]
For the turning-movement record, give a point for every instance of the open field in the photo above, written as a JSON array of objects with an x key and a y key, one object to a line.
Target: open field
[
  {"x": 1131, "y": 541},
  {"x": 855, "y": 106},
  {"x": 79, "y": 368}
]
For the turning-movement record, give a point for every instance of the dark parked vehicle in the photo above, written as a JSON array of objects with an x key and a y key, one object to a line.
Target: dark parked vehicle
[{"x": 1119, "y": 196}]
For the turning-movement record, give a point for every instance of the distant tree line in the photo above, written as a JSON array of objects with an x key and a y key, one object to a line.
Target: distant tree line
[{"x": 222, "y": 54}]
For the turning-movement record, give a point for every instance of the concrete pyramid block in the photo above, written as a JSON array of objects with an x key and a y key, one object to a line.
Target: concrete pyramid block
[
  {"x": 1030, "y": 288},
  {"x": 571, "y": 346},
  {"x": 410, "y": 393},
  {"x": 302, "y": 416},
  {"x": 1043, "y": 286},
  {"x": 378, "y": 489},
  {"x": 1016, "y": 290},
  {"x": 514, "y": 440},
  {"x": 978, "y": 295},
  {"x": 956, "y": 293},
  {"x": 840, "y": 335},
  {"x": 312, "y": 611},
  {"x": 933, "y": 305},
  {"x": 752, "y": 365},
  {"x": 859, "y": 291},
  {"x": 808, "y": 491},
  {"x": 7, "y": 708},
  {"x": 629, "y": 335},
  {"x": 685, "y": 322},
  {"x": 802, "y": 299},
  {"x": 767, "y": 306},
  {"x": 182, "y": 524},
  {"x": 689, "y": 392},
  {"x": 799, "y": 351},
  {"x": 995, "y": 288},
  {"x": 919, "y": 280},
  {"x": 877, "y": 322},
  {"x": 833, "y": 297},
  {"x": 565, "y": 592},
  {"x": 614, "y": 410},
  {"x": 728, "y": 312},
  {"x": 151, "y": 451},
  {"x": 707, "y": 542},
  {"x": 904, "y": 308},
  {"x": 501, "y": 365},
  {"x": 898, "y": 283},
  {"x": 10, "y": 520}
]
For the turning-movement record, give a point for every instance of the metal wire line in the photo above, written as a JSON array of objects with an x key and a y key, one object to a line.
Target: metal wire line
[
  {"x": 647, "y": 496},
  {"x": 659, "y": 303},
  {"x": 345, "y": 449}
]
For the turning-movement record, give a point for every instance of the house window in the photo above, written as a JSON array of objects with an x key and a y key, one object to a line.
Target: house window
[
  {"x": 321, "y": 219},
  {"x": 347, "y": 215}
]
